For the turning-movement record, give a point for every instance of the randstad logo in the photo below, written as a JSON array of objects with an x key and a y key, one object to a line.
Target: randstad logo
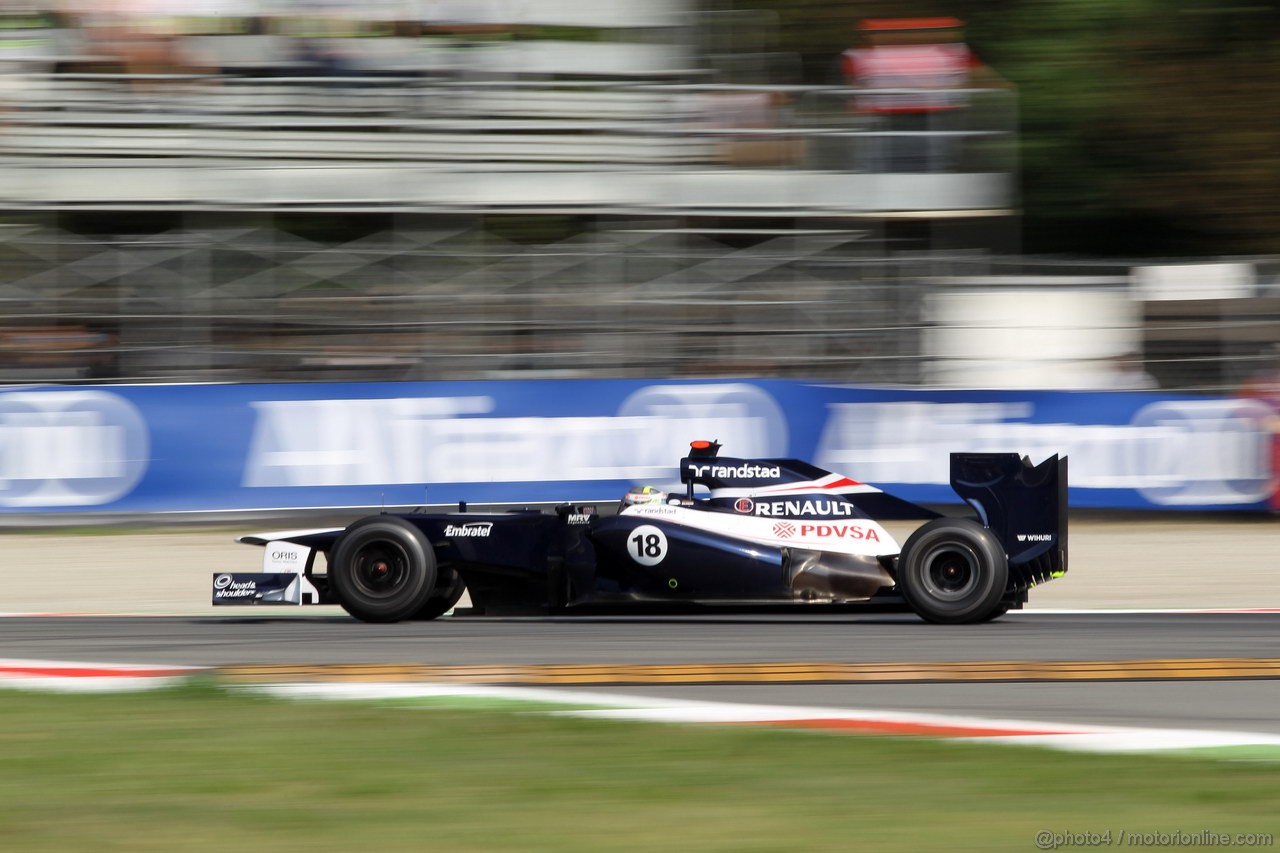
[{"x": 737, "y": 472}]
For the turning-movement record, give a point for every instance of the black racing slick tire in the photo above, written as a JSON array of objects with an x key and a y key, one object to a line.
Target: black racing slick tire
[
  {"x": 997, "y": 613},
  {"x": 953, "y": 571},
  {"x": 447, "y": 593},
  {"x": 383, "y": 569}
]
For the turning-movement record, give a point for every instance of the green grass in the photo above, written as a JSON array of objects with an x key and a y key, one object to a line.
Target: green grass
[{"x": 202, "y": 769}]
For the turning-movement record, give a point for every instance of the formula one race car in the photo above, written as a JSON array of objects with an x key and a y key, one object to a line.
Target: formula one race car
[{"x": 746, "y": 534}]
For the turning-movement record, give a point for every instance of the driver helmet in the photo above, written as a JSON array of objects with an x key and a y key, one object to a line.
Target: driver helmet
[{"x": 637, "y": 495}]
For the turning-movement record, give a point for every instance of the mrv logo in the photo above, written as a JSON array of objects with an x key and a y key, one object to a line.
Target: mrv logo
[
  {"x": 822, "y": 508},
  {"x": 473, "y": 529},
  {"x": 743, "y": 471}
]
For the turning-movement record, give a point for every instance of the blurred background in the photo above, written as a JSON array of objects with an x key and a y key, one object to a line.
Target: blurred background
[{"x": 1067, "y": 194}]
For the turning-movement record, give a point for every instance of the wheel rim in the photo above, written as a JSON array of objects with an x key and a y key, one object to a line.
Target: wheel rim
[
  {"x": 950, "y": 573},
  {"x": 380, "y": 569}
]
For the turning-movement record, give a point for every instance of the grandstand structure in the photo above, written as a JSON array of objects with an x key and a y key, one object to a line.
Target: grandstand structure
[{"x": 555, "y": 188}]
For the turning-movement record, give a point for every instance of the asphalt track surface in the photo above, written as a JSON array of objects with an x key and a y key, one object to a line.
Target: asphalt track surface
[
  {"x": 1116, "y": 563},
  {"x": 1186, "y": 665},
  {"x": 261, "y": 635}
]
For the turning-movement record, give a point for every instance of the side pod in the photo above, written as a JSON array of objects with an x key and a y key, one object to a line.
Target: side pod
[{"x": 1024, "y": 505}]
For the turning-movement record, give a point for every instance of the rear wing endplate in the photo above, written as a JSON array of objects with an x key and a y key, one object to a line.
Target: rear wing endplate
[{"x": 1024, "y": 505}]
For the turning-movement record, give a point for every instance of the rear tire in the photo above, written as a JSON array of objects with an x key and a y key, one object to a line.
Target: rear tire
[
  {"x": 383, "y": 569},
  {"x": 953, "y": 571},
  {"x": 997, "y": 613}
]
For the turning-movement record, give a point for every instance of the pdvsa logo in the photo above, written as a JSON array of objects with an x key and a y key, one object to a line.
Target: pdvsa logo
[
  {"x": 69, "y": 448},
  {"x": 784, "y": 530},
  {"x": 839, "y": 531}
]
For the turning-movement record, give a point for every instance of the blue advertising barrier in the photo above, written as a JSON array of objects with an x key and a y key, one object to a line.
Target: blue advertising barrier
[{"x": 152, "y": 448}]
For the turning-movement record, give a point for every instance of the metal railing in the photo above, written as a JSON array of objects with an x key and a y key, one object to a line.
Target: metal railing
[
  {"x": 200, "y": 142},
  {"x": 622, "y": 299},
  {"x": 242, "y": 305},
  {"x": 638, "y": 283}
]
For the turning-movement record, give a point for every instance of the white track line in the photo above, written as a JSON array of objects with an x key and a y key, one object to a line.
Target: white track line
[
  {"x": 1096, "y": 611},
  {"x": 1031, "y": 611},
  {"x": 95, "y": 677},
  {"x": 1064, "y": 736}
]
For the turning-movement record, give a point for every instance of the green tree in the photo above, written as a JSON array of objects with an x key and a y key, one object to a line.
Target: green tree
[{"x": 1147, "y": 126}]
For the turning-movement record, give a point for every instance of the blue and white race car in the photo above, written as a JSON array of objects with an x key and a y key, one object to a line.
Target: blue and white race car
[{"x": 746, "y": 534}]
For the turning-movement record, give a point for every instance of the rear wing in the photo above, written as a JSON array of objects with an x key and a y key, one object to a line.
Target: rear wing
[{"x": 1024, "y": 505}]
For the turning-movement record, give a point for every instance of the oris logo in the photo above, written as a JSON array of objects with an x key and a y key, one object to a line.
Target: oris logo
[
  {"x": 744, "y": 505},
  {"x": 473, "y": 529},
  {"x": 69, "y": 448},
  {"x": 286, "y": 557}
]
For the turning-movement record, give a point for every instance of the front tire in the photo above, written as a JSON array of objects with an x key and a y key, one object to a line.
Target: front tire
[
  {"x": 383, "y": 569},
  {"x": 953, "y": 571}
]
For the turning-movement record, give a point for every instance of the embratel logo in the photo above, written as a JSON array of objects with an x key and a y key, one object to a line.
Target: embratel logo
[
  {"x": 472, "y": 529},
  {"x": 784, "y": 530},
  {"x": 744, "y": 505}
]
